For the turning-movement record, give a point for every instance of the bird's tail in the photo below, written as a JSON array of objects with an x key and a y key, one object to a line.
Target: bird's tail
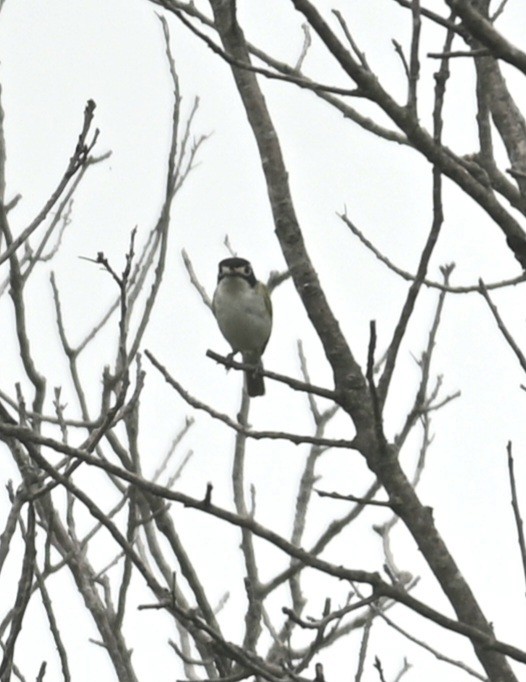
[{"x": 254, "y": 381}]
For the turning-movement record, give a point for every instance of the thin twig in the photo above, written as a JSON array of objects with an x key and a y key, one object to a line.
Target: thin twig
[
  {"x": 483, "y": 289},
  {"x": 375, "y": 399},
  {"x": 353, "y": 498},
  {"x": 307, "y": 41},
  {"x": 468, "y": 289},
  {"x": 451, "y": 54},
  {"x": 289, "y": 381},
  {"x": 516, "y": 509},
  {"x": 195, "y": 281},
  {"x": 498, "y": 11},
  {"x": 361, "y": 56},
  {"x": 313, "y": 624},
  {"x": 424, "y": 645},
  {"x": 406, "y": 667},
  {"x": 253, "y": 614},
  {"x": 17, "y": 502},
  {"x": 297, "y": 80},
  {"x": 257, "y": 435},
  {"x": 77, "y": 161},
  {"x": 189, "y": 422},
  {"x": 378, "y": 666},
  {"x": 400, "y": 52},
  {"x": 22, "y": 597},
  {"x": 363, "y": 649},
  {"x": 53, "y": 625},
  {"x": 423, "y": 402},
  {"x": 306, "y": 378},
  {"x": 414, "y": 62}
]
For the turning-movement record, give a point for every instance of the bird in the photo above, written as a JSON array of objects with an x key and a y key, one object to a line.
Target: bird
[{"x": 243, "y": 311}]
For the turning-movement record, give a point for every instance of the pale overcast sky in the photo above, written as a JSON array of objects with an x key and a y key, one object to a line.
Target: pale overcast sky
[{"x": 56, "y": 55}]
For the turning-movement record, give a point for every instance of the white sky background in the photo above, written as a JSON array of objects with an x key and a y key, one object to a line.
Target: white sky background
[{"x": 56, "y": 55}]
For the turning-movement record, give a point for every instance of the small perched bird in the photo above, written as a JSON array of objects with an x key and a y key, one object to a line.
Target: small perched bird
[{"x": 243, "y": 312}]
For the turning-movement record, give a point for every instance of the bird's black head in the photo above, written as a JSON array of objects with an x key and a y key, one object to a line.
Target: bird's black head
[{"x": 236, "y": 267}]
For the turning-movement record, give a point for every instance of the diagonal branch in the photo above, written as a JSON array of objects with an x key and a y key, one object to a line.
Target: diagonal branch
[
  {"x": 77, "y": 161},
  {"x": 240, "y": 427},
  {"x": 418, "y": 136},
  {"x": 483, "y": 30},
  {"x": 295, "y": 384},
  {"x": 516, "y": 509},
  {"x": 504, "y": 330},
  {"x": 22, "y": 597}
]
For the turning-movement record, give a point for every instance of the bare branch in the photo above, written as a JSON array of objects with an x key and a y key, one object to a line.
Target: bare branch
[
  {"x": 279, "y": 435},
  {"x": 352, "y": 42},
  {"x": 482, "y": 52},
  {"x": 469, "y": 289},
  {"x": 22, "y": 597},
  {"x": 313, "y": 624},
  {"x": 516, "y": 509},
  {"x": 17, "y": 502},
  {"x": 307, "y": 41},
  {"x": 414, "y": 62},
  {"x": 77, "y": 161},
  {"x": 381, "y": 588},
  {"x": 482, "y": 29},
  {"x": 240, "y": 64},
  {"x": 353, "y": 498},
  {"x": 363, "y": 650},
  {"x": 424, "y": 645},
  {"x": 506, "y": 334},
  {"x": 195, "y": 281},
  {"x": 289, "y": 381},
  {"x": 500, "y": 9}
]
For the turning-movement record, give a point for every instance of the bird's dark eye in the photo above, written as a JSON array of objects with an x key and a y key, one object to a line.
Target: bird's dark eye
[{"x": 246, "y": 269}]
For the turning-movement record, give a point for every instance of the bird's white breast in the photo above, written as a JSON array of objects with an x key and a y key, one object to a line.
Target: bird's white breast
[{"x": 242, "y": 315}]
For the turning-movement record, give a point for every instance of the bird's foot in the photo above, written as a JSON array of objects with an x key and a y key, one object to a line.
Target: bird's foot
[{"x": 229, "y": 358}]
